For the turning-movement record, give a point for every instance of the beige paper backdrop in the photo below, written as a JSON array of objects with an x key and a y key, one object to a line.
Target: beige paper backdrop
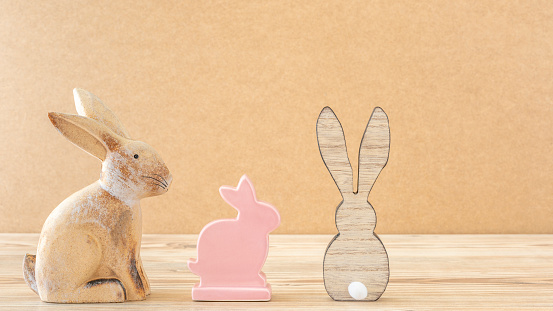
[{"x": 226, "y": 88}]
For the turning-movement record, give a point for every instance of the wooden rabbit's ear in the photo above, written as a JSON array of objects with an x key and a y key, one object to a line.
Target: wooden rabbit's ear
[
  {"x": 90, "y": 135},
  {"x": 88, "y": 105},
  {"x": 332, "y": 146},
  {"x": 374, "y": 150}
]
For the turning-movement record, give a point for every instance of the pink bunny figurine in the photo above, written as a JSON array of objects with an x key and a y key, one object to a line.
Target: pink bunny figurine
[{"x": 231, "y": 252}]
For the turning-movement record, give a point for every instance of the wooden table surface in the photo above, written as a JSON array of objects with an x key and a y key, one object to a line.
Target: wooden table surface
[{"x": 427, "y": 272}]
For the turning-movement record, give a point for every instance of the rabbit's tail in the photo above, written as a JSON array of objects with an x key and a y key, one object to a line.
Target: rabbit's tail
[
  {"x": 29, "y": 271},
  {"x": 357, "y": 290},
  {"x": 194, "y": 266}
]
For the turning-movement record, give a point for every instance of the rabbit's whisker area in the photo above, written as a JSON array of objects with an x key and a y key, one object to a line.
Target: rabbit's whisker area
[
  {"x": 162, "y": 178},
  {"x": 159, "y": 181},
  {"x": 160, "y": 185}
]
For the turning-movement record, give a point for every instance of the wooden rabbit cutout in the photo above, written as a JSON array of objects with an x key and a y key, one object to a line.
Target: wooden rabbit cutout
[
  {"x": 89, "y": 247},
  {"x": 231, "y": 252},
  {"x": 355, "y": 263}
]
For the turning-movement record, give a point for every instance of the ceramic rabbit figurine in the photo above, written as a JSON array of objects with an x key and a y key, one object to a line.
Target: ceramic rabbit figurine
[
  {"x": 89, "y": 247},
  {"x": 355, "y": 262},
  {"x": 231, "y": 252}
]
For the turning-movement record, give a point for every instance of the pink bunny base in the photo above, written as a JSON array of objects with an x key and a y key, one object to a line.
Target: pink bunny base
[
  {"x": 200, "y": 293},
  {"x": 231, "y": 252}
]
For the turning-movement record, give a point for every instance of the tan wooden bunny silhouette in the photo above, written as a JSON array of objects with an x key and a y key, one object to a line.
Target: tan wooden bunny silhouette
[
  {"x": 355, "y": 262},
  {"x": 89, "y": 247}
]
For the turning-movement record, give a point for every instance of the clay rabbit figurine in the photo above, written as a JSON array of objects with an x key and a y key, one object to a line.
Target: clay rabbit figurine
[
  {"x": 355, "y": 262},
  {"x": 231, "y": 252},
  {"x": 89, "y": 247}
]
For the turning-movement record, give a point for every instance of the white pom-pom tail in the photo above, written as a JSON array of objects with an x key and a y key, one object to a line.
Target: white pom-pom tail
[{"x": 357, "y": 290}]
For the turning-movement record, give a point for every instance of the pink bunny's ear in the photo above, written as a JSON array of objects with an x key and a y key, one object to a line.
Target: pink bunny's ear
[{"x": 240, "y": 197}]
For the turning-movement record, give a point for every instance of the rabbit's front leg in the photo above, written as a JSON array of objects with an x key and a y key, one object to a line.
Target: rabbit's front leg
[
  {"x": 144, "y": 277},
  {"x": 132, "y": 281}
]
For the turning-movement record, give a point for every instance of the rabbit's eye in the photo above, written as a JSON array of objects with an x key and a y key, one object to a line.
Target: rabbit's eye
[{"x": 136, "y": 156}]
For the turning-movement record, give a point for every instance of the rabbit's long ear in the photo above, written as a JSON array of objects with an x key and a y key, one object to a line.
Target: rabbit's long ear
[
  {"x": 90, "y": 135},
  {"x": 374, "y": 150},
  {"x": 332, "y": 146},
  {"x": 88, "y": 105},
  {"x": 240, "y": 196}
]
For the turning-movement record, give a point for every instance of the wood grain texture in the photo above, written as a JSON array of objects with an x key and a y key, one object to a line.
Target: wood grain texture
[
  {"x": 428, "y": 272},
  {"x": 355, "y": 259}
]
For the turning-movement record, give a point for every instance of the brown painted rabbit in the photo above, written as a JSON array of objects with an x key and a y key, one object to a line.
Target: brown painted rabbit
[
  {"x": 89, "y": 248},
  {"x": 356, "y": 262}
]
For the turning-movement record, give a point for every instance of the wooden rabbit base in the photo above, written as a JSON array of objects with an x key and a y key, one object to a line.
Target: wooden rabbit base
[{"x": 231, "y": 293}]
